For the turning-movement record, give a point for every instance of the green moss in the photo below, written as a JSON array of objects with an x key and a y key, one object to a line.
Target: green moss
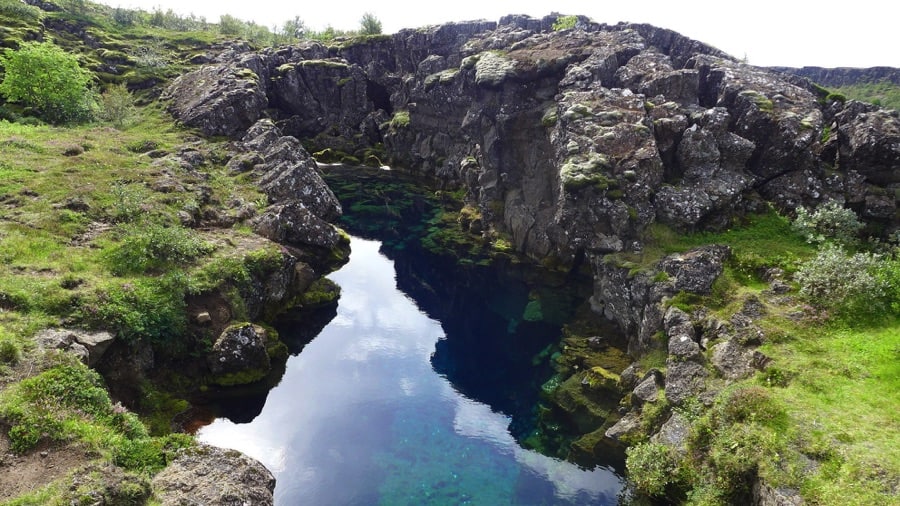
[
  {"x": 330, "y": 64},
  {"x": 400, "y": 120},
  {"x": 322, "y": 292},
  {"x": 244, "y": 377},
  {"x": 600, "y": 377},
  {"x": 762, "y": 102},
  {"x": 564, "y": 23},
  {"x": 586, "y": 170},
  {"x": 550, "y": 117},
  {"x": 533, "y": 311}
]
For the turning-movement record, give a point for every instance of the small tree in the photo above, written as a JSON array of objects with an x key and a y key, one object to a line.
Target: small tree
[
  {"x": 230, "y": 25},
  {"x": 295, "y": 28},
  {"x": 369, "y": 24},
  {"x": 43, "y": 76},
  {"x": 117, "y": 106},
  {"x": 853, "y": 285}
]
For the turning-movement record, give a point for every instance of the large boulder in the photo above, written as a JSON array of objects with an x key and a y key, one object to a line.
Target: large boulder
[
  {"x": 87, "y": 346},
  {"x": 219, "y": 99},
  {"x": 209, "y": 475},
  {"x": 240, "y": 355}
]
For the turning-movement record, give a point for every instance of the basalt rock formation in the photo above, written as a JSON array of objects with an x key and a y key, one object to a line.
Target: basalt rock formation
[{"x": 570, "y": 141}]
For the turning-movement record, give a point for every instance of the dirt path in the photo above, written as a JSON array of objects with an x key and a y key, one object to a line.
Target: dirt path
[{"x": 23, "y": 473}]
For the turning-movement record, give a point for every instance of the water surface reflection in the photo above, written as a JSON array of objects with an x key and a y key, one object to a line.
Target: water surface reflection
[{"x": 361, "y": 416}]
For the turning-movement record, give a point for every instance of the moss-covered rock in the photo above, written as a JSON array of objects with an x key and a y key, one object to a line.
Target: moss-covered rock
[{"x": 240, "y": 355}]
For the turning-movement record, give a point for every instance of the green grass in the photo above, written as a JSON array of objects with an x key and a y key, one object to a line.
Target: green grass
[
  {"x": 836, "y": 384},
  {"x": 883, "y": 93},
  {"x": 843, "y": 398},
  {"x": 757, "y": 241}
]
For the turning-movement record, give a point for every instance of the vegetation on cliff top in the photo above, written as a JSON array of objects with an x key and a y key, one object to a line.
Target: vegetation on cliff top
[{"x": 820, "y": 418}]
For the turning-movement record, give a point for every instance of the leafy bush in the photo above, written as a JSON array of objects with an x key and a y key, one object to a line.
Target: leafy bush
[
  {"x": 151, "y": 54},
  {"x": 651, "y": 467},
  {"x": 138, "y": 309},
  {"x": 9, "y": 350},
  {"x": 149, "y": 455},
  {"x": 565, "y": 23},
  {"x": 117, "y": 106},
  {"x": 47, "y": 78},
  {"x": 170, "y": 20},
  {"x": 830, "y": 222},
  {"x": 16, "y": 9},
  {"x": 849, "y": 284},
  {"x": 37, "y": 406},
  {"x": 151, "y": 246},
  {"x": 400, "y": 120},
  {"x": 125, "y": 17},
  {"x": 230, "y": 25}
]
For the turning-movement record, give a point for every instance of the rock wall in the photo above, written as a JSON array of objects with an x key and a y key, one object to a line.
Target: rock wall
[{"x": 571, "y": 142}]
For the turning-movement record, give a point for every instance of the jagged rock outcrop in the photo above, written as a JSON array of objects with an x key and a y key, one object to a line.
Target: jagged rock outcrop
[
  {"x": 209, "y": 475},
  {"x": 572, "y": 141},
  {"x": 634, "y": 300},
  {"x": 89, "y": 347},
  {"x": 221, "y": 98}
]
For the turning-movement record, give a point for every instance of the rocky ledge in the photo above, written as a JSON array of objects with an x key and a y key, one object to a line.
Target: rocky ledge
[{"x": 210, "y": 475}]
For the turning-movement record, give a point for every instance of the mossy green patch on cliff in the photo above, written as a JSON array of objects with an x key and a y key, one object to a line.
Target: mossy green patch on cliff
[
  {"x": 322, "y": 292},
  {"x": 586, "y": 170},
  {"x": 329, "y": 64},
  {"x": 757, "y": 241},
  {"x": 400, "y": 120},
  {"x": 761, "y": 101},
  {"x": 841, "y": 382},
  {"x": 881, "y": 93},
  {"x": 443, "y": 77}
]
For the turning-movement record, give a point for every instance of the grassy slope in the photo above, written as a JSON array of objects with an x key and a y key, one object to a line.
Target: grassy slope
[
  {"x": 74, "y": 202},
  {"x": 835, "y": 385},
  {"x": 884, "y": 94}
]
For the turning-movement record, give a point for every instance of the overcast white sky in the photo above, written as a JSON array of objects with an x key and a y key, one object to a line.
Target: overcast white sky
[{"x": 858, "y": 33}]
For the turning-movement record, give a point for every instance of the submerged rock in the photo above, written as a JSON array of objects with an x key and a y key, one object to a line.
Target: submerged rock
[{"x": 208, "y": 475}]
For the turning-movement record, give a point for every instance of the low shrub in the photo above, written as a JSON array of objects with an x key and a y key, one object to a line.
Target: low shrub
[
  {"x": 830, "y": 222},
  {"x": 151, "y": 247},
  {"x": 851, "y": 285},
  {"x": 142, "y": 308},
  {"x": 651, "y": 467}
]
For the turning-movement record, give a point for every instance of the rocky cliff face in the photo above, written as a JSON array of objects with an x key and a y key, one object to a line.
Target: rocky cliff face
[
  {"x": 570, "y": 141},
  {"x": 844, "y": 76}
]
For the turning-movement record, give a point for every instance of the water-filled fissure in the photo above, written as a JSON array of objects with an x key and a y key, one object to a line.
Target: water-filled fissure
[{"x": 418, "y": 388}]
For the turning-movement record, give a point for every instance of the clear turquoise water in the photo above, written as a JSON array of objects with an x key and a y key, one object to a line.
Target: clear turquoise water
[{"x": 361, "y": 417}]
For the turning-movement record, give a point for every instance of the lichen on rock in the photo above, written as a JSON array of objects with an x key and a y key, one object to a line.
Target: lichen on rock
[{"x": 209, "y": 475}]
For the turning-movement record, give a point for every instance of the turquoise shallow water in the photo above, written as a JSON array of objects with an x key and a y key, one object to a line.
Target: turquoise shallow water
[{"x": 362, "y": 417}]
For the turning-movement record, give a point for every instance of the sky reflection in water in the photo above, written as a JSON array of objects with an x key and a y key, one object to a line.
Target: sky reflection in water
[{"x": 360, "y": 417}]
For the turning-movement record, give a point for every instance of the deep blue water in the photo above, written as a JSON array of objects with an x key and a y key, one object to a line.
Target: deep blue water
[{"x": 363, "y": 417}]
